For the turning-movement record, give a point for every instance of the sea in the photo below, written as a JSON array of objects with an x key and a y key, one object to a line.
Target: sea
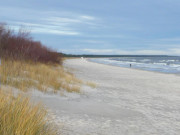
[{"x": 164, "y": 64}]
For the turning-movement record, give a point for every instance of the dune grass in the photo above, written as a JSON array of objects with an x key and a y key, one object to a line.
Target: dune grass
[
  {"x": 91, "y": 84},
  {"x": 19, "y": 117},
  {"x": 44, "y": 77}
]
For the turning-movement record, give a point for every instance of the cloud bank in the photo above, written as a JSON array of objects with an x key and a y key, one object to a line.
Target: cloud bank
[
  {"x": 51, "y": 22},
  {"x": 173, "y": 52}
]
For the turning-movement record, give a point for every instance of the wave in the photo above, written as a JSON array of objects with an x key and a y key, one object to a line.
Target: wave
[{"x": 167, "y": 65}]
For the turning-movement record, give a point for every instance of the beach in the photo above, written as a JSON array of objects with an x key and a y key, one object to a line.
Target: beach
[{"x": 125, "y": 102}]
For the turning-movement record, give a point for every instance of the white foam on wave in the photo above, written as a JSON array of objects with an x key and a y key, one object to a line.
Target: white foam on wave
[{"x": 166, "y": 65}]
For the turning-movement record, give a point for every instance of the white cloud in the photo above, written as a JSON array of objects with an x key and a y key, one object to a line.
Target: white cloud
[
  {"x": 106, "y": 36},
  {"x": 88, "y": 17},
  {"x": 62, "y": 20},
  {"x": 98, "y": 51},
  {"x": 59, "y": 23},
  {"x": 45, "y": 29},
  {"x": 57, "y": 32},
  {"x": 151, "y": 52},
  {"x": 175, "y": 51},
  {"x": 92, "y": 41},
  {"x": 71, "y": 19}
]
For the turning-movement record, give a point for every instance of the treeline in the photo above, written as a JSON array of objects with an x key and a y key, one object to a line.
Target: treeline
[
  {"x": 20, "y": 46},
  {"x": 107, "y": 56}
]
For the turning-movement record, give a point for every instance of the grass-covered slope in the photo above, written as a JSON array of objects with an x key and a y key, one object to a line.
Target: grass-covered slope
[
  {"x": 44, "y": 77},
  {"x": 27, "y": 64}
]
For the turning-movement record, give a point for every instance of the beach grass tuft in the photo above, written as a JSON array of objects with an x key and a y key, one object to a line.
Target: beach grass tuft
[
  {"x": 91, "y": 84},
  {"x": 20, "y": 117}
]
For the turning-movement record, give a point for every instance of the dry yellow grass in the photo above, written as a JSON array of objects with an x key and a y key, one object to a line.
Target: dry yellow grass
[
  {"x": 44, "y": 77},
  {"x": 91, "y": 84},
  {"x": 19, "y": 117}
]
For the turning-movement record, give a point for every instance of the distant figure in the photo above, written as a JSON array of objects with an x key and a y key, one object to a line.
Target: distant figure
[
  {"x": 130, "y": 65},
  {"x": 82, "y": 58}
]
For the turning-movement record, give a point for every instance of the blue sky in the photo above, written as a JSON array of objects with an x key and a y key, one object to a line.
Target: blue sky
[{"x": 99, "y": 26}]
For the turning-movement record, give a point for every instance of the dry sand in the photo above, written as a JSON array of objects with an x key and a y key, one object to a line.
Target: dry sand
[{"x": 125, "y": 102}]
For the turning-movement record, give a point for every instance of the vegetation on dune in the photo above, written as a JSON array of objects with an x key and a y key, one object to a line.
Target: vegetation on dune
[
  {"x": 91, "y": 84},
  {"x": 19, "y": 117},
  {"x": 20, "y": 46},
  {"x": 26, "y": 64},
  {"x": 44, "y": 77}
]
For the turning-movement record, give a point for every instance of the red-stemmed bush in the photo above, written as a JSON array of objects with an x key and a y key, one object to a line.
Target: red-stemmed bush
[{"x": 22, "y": 47}]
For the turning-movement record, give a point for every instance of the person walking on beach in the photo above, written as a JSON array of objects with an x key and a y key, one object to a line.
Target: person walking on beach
[{"x": 130, "y": 65}]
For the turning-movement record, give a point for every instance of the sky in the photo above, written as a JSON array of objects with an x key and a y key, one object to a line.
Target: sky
[{"x": 125, "y": 27}]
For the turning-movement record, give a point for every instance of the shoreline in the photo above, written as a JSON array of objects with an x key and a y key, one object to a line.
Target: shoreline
[{"x": 88, "y": 59}]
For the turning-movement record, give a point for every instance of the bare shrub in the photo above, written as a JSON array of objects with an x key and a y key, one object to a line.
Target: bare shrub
[{"x": 21, "y": 46}]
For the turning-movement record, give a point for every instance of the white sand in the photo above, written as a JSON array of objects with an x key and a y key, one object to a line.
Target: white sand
[{"x": 126, "y": 102}]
